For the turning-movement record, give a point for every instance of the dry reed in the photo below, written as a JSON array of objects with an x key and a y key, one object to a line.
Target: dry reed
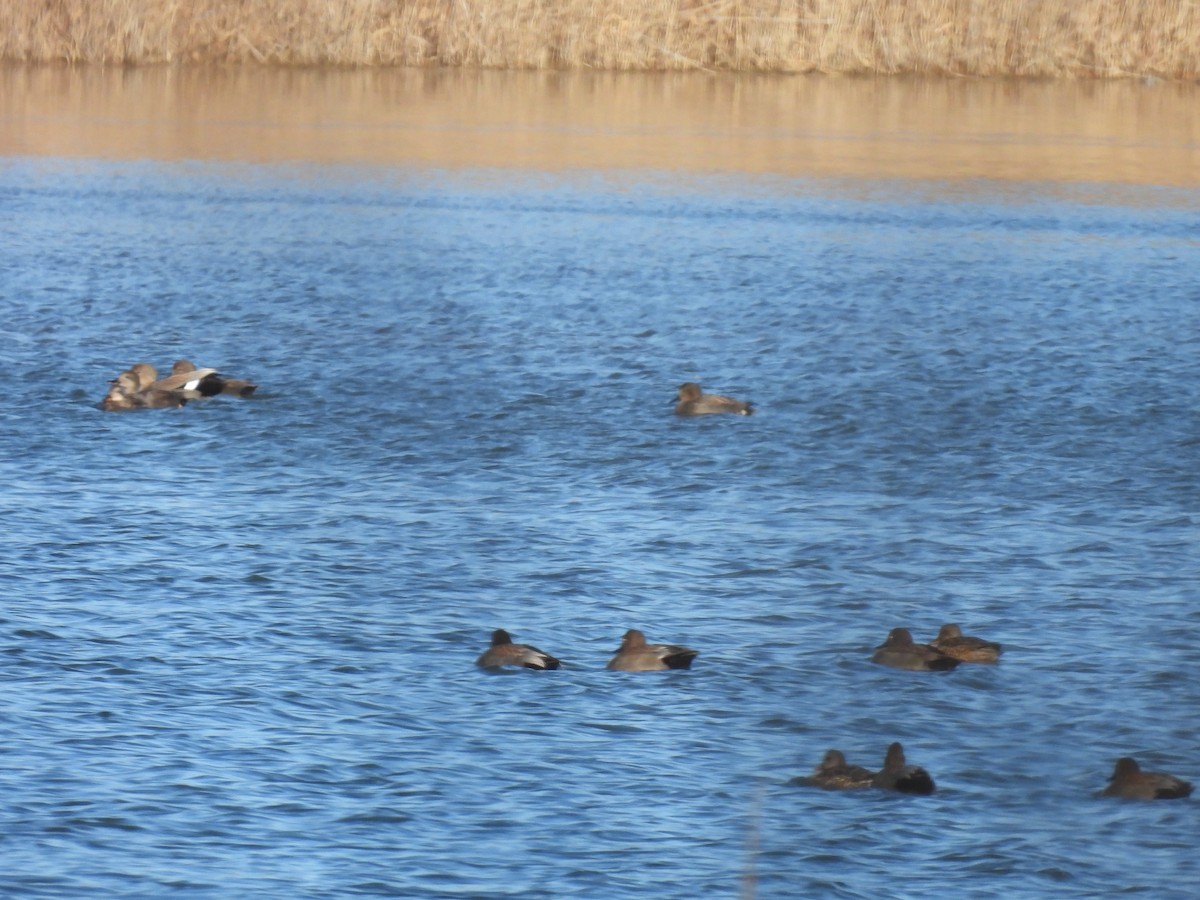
[{"x": 961, "y": 37}]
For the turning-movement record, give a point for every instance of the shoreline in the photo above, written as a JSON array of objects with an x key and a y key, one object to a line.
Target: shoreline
[{"x": 1074, "y": 39}]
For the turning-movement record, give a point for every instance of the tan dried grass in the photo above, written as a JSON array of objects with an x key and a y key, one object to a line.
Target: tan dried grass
[{"x": 1075, "y": 38}]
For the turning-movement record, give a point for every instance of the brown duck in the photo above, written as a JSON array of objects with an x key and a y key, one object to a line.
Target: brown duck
[
  {"x": 694, "y": 402},
  {"x": 503, "y": 652},
  {"x": 900, "y": 652},
  {"x": 898, "y": 775},
  {"x": 835, "y": 774},
  {"x": 1130, "y": 782},
  {"x": 124, "y": 393},
  {"x": 209, "y": 383},
  {"x": 635, "y": 655},
  {"x": 965, "y": 648}
]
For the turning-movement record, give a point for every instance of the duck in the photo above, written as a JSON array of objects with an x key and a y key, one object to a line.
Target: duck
[
  {"x": 121, "y": 394},
  {"x": 900, "y": 652},
  {"x": 186, "y": 384},
  {"x": 125, "y": 394},
  {"x": 835, "y": 774},
  {"x": 1131, "y": 783},
  {"x": 965, "y": 648},
  {"x": 503, "y": 652},
  {"x": 144, "y": 373},
  {"x": 635, "y": 655},
  {"x": 192, "y": 381},
  {"x": 897, "y": 775},
  {"x": 694, "y": 402},
  {"x": 209, "y": 383}
]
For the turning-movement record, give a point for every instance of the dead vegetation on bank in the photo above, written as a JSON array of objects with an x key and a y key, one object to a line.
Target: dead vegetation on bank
[{"x": 1072, "y": 38}]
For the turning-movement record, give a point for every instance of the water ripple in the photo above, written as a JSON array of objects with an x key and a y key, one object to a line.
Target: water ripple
[{"x": 239, "y": 637}]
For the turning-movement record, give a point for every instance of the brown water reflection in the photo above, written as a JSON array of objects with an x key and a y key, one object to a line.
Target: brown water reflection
[{"x": 1113, "y": 131}]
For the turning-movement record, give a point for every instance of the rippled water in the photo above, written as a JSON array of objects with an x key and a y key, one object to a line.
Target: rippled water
[{"x": 238, "y": 638}]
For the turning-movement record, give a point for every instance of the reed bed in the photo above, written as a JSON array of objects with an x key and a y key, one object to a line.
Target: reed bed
[{"x": 1076, "y": 38}]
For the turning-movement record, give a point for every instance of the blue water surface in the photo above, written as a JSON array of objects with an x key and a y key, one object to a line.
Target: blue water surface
[{"x": 238, "y": 638}]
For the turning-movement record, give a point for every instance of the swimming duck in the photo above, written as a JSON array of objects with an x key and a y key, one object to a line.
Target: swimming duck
[
  {"x": 209, "y": 383},
  {"x": 952, "y": 642},
  {"x": 144, "y": 373},
  {"x": 694, "y": 402},
  {"x": 1130, "y": 782},
  {"x": 124, "y": 394},
  {"x": 835, "y": 774},
  {"x": 503, "y": 652},
  {"x": 192, "y": 381},
  {"x": 187, "y": 384},
  {"x": 899, "y": 652},
  {"x": 897, "y": 775},
  {"x": 635, "y": 655},
  {"x": 121, "y": 392}
]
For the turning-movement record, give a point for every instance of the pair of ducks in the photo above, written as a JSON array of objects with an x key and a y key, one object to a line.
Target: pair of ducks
[
  {"x": 139, "y": 387},
  {"x": 634, "y": 655},
  {"x": 944, "y": 652},
  {"x": 835, "y": 774},
  {"x": 1128, "y": 781}
]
